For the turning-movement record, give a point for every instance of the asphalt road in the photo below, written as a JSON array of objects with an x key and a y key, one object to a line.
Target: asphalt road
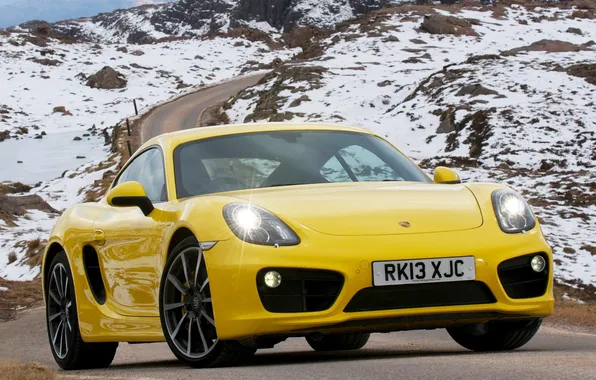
[
  {"x": 553, "y": 354},
  {"x": 184, "y": 113}
]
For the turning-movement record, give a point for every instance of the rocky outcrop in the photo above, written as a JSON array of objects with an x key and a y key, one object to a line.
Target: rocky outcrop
[
  {"x": 107, "y": 78},
  {"x": 587, "y": 71},
  {"x": 284, "y": 78},
  {"x": 473, "y": 90},
  {"x": 549, "y": 46},
  {"x": 192, "y": 18},
  {"x": 13, "y": 207},
  {"x": 14, "y": 188},
  {"x": 193, "y": 14},
  {"x": 439, "y": 24}
]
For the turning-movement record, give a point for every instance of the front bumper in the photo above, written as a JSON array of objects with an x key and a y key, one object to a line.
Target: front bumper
[{"x": 239, "y": 312}]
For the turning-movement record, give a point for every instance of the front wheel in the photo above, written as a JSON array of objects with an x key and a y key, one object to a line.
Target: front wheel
[
  {"x": 495, "y": 336},
  {"x": 186, "y": 311},
  {"x": 68, "y": 348},
  {"x": 338, "y": 342}
]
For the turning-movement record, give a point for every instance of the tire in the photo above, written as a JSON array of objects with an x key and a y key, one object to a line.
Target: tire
[
  {"x": 338, "y": 342},
  {"x": 62, "y": 322},
  {"x": 185, "y": 303},
  {"x": 498, "y": 336}
]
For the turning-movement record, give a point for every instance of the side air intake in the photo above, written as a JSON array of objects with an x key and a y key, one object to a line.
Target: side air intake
[{"x": 93, "y": 272}]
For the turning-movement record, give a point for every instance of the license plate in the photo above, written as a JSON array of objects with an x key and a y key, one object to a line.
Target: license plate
[{"x": 424, "y": 271}]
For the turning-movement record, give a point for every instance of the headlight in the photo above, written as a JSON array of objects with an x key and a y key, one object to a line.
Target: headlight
[
  {"x": 513, "y": 213},
  {"x": 256, "y": 225}
]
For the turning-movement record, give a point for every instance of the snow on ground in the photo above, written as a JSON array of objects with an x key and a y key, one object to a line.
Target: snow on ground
[
  {"x": 519, "y": 120},
  {"x": 31, "y": 89},
  {"x": 59, "y": 153}
]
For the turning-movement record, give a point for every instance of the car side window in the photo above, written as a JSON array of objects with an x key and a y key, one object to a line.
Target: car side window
[
  {"x": 363, "y": 164},
  {"x": 153, "y": 177},
  {"x": 133, "y": 170},
  {"x": 148, "y": 170}
]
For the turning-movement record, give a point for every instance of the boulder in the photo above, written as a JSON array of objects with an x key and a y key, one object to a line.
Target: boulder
[
  {"x": 577, "y": 31},
  {"x": 107, "y": 78},
  {"x": 439, "y": 24},
  {"x": 475, "y": 90}
]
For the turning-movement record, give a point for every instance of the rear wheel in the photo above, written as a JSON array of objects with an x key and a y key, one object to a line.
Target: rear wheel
[
  {"x": 495, "y": 336},
  {"x": 186, "y": 311},
  {"x": 68, "y": 348},
  {"x": 338, "y": 342}
]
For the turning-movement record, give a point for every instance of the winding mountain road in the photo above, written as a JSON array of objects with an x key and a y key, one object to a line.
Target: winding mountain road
[
  {"x": 185, "y": 112},
  {"x": 553, "y": 354}
]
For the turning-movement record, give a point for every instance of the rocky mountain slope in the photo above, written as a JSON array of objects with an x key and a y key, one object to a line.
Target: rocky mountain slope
[{"x": 191, "y": 18}]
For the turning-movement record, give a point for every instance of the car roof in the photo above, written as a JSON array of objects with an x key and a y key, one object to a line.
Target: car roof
[{"x": 172, "y": 139}]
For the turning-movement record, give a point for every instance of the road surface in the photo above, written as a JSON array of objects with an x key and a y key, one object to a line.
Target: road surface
[
  {"x": 184, "y": 113},
  {"x": 552, "y": 354}
]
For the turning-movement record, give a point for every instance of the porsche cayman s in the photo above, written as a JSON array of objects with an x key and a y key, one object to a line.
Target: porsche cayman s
[{"x": 228, "y": 239}]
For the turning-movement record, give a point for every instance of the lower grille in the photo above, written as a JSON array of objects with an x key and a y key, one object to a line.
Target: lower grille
[
  {"x": 520, "y": 281},
  {"x": 300, "y": 290},
  {"x": 420, "y": 295}
]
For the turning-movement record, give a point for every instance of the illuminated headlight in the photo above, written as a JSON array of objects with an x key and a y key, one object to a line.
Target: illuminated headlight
[
  {"x": 256, "y": 225},
  {"x": 538, "y": 264},
  {"x": 513, "y": 213},
  {"x": 272, "y": 279}
]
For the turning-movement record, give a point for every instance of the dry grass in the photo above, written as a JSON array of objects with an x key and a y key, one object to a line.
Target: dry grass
[
  {"x": 35, "y": 250},
  {"x": 29, "y": 371},
  {"x": 583, "y": 292},
  {"x": 574, "y": 314},
  {"x": 13, "y": 188},
  {"x": 32, "y": 371},
  {"x": 100, "y": 186},
  {"x": 22, "y": 294}
]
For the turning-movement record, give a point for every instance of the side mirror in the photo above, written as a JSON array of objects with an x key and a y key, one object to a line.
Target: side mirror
[
  {"x": 129, "y": 194},
  {"x": 446, "y": 175}
]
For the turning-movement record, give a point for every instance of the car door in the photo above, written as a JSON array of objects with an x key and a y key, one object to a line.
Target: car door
[{"x": 131, "y": 240}]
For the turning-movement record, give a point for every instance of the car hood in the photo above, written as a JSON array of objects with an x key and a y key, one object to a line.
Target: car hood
[{"x": 372, "y": 208}]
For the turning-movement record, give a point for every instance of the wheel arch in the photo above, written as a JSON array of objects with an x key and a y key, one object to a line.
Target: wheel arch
[
  {"x": 52, "y": 250},
  {"x": 178, "y": 236}
]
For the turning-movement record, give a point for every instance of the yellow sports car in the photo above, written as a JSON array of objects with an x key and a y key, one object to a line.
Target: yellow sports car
[{"x": 224, "y": 240}]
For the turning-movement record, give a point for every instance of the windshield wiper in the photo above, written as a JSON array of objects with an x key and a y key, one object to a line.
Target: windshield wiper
[{"x": 283, "y": 184}]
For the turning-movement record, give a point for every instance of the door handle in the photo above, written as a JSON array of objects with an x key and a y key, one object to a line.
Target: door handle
[{"x": 99, "y": 237}]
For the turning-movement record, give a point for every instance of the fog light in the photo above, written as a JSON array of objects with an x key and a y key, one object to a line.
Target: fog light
[
  {"x": 272, "y": 279},
  {"x": 538, "y": 264}
]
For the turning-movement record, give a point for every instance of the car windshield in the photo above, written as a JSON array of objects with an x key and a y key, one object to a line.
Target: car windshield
[{"x": 286, "y": 158}]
